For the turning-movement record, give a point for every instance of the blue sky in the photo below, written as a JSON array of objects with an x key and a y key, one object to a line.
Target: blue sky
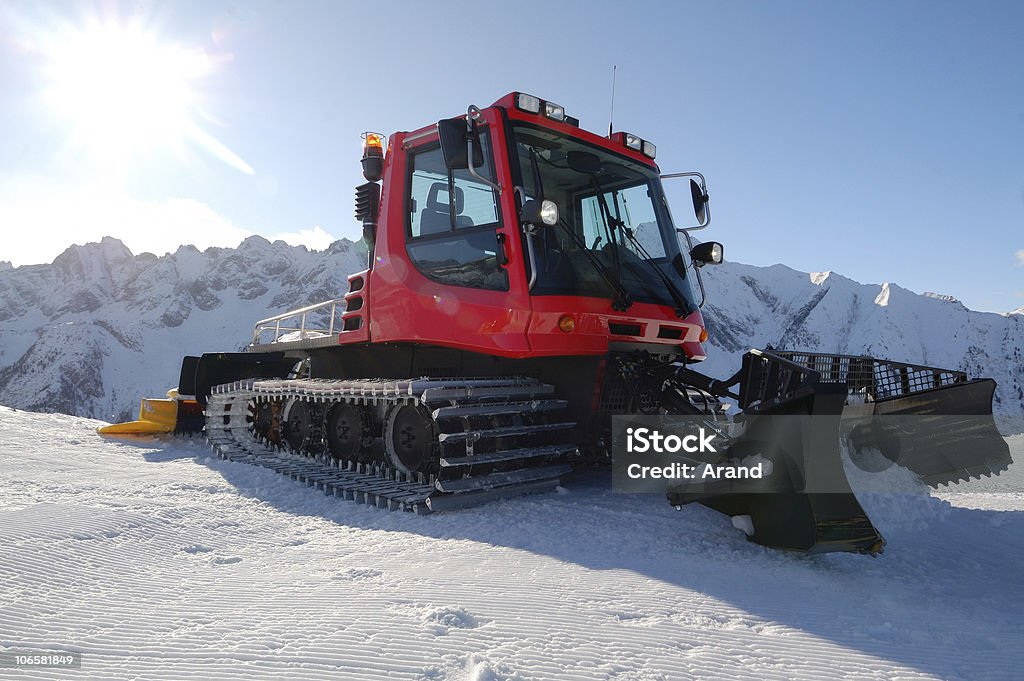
[{"x": 883, "y": 141}]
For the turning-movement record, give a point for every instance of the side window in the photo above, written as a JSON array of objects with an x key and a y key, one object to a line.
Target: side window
[
  {"x": 463, "y": 252},
  {"x": 476, "y": 204}
]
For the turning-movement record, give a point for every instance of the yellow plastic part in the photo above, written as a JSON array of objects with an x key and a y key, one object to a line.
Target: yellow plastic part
[{"x": 155, "y": 416}]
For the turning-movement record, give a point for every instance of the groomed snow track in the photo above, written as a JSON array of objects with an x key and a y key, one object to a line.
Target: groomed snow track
[{"x": 495, "y": 438}]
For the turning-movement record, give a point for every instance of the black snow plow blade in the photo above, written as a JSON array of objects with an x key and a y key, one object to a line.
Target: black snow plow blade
[
  {"x": 805, "y": 504},
  {"x": 935, "y": 422},
  {"x": 798, "y": 407},
  {"x": 943, "y": 434}
]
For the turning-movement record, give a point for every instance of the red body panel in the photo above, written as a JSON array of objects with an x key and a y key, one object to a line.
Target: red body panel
[
  {"x": 592, "y": 333},
  {"x": 406, "y": 306}
]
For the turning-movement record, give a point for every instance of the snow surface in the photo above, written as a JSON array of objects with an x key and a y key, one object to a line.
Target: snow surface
[{"x": 157, "y": 561}]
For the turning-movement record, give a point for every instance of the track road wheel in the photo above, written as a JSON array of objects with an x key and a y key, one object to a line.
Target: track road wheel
[
  {"x": 266, "y": 421},
  {"x": 298, "y": 425},
  {"x": 410, "y": 439},
  {"x": 347, "y": 433}
]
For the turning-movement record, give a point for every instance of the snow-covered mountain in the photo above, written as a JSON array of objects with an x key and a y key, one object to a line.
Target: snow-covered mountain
[
  {"x": 100, "y": 327},
  {"x": 827, "y": 312}
]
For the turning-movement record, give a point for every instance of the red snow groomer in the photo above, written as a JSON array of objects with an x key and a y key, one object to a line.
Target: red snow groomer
[{"x": 526, "y": 282}]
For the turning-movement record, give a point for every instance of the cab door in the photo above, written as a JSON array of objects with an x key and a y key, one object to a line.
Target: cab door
[{"x": 447, "y": 271}]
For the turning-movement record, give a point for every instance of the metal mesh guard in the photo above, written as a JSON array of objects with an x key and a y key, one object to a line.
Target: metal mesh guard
[
  {"x": 770, "y": 378},
  {"x": 879, "y": 378}
]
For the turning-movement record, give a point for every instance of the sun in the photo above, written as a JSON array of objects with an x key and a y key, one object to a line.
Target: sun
[{"x": 124, "y": 93}]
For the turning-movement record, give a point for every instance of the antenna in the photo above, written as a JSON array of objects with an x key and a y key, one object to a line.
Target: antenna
[{"x": 611, "y": 114}]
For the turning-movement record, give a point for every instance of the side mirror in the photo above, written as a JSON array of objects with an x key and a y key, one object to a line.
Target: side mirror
[
  {"x": 700, "y": 203},
  {"x": 707, "y": 253},
  {"x": 454, "y": 147}
]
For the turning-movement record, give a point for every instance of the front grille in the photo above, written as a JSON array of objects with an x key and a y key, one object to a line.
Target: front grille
[
  {"x": 619, "y": 396},
  {"x": 620, "y": 329}
]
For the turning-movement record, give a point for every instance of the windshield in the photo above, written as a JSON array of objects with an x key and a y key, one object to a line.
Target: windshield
[{"x": 612, "y": 211}]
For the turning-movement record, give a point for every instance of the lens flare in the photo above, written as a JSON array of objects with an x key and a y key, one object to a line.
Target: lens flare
[{"x": 123, "y": 93}]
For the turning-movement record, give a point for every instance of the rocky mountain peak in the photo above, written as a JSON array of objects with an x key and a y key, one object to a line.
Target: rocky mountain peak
[{"x": 99, "y": 328}]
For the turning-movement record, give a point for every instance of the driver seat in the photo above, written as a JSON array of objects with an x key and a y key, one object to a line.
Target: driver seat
[{"x": 435, "y": 218}]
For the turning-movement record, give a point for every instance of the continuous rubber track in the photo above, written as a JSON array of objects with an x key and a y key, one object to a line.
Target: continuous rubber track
[{"x": 494, "y": 438}]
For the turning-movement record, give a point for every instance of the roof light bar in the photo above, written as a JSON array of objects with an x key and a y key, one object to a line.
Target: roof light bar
[
  {"x": 528, "y": 103},
  {"x": 555, "y": 111},
  {"x": 536, "y": 105},
  {"x": 636, "y": 143}
]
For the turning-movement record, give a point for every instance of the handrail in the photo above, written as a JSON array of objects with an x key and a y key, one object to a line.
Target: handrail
[
  {"x": 292, "y": 313},
  {"x": 274, "y": 323}
]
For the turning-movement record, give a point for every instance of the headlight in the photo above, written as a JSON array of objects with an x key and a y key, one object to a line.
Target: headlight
[
  {"x": 636, "y": 143},
  {"x": 548, "y": 212},
  {"x": 555, "y": 111},
  {"x": 528, "y": 103}
]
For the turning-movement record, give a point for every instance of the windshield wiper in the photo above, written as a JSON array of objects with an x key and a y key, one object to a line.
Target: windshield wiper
[
  {"x": 683, "y": 306},
  {"x": 623, "y": 300},
  {"x": 609, "y": 226},
  {"x": 614, "y": 224}
]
